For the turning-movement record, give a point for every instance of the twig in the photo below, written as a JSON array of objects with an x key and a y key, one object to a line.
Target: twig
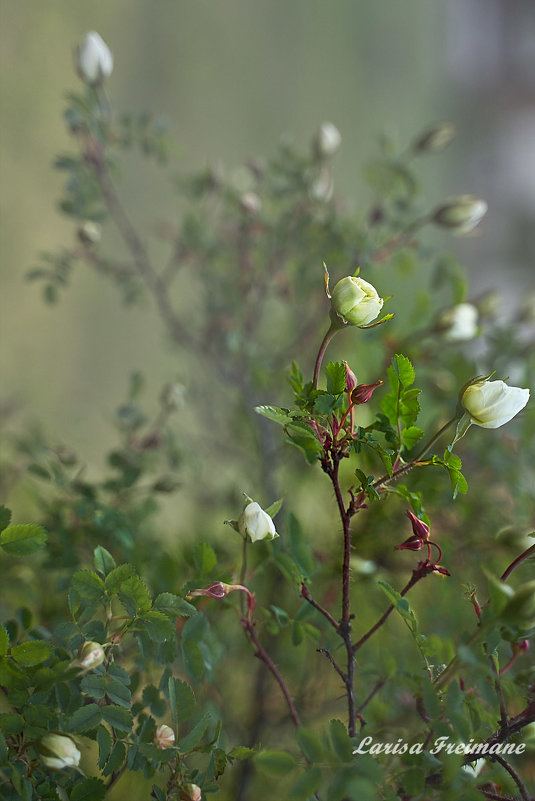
[
  {"x": 307, "y": 596},
  {"x": 518, "y": 561},
  {"x": 262, "y": 654},
  {"x": 337, "y": 667},
  {"x": 380, "y": 683},
  {"x": 523, "y": 790}
]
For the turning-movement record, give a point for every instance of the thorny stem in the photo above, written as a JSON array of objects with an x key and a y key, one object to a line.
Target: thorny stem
[
  {"x": 515, "y": 777},
  {"x": 262, "y": 654},
  {"x": 308, "y": 597}
]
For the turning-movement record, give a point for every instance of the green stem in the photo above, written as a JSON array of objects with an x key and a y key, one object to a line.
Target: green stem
[{"x": 334, "y": 327}]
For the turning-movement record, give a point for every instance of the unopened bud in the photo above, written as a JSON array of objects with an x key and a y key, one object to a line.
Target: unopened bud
[
  {"x": 94, "y": 60},
  {"x": 90, "y": 655},
  {"x": 356, "y": 301},
  {"x": 419, "y": 528},
  {"x": 363, "y": 392},
  {"x": 90, "y": 233},
  {"x": 327, "y": 141},
  {"x": 461, "y": 214},
  {"x": 413, "y": 543},
  {"x": 351, "y": 378},
  {"x": 435, "y": 138},
  {"x": 58, "y": 751},
  {"x": 217, "y": 590},
  {"x": 164, "y": 737},
  {"x": 255, "y": 524},
  {"x": 191, "y": 792},
  {"x": 250, "y": 203}
]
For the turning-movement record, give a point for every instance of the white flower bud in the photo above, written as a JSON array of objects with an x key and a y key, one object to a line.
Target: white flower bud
[
  {"x": 255, "y": 524},
  {"x": 328, "y": 140},
  {"x": 164, "y": 737},
  {"x": 58, "y": 751},
  {"x": 459, "y": 323},
  {"x": 90, "y": 655},
  {"x": 251, "y": 203},
  {"x": 491, "y": 404},
  {"x": 356, "y": 301},
  {"x": 94, "y": 60},
  {"x": 461, "y": 213},
  {"x": 434, "y": 139},
  {"x": 90, "y": 233}
]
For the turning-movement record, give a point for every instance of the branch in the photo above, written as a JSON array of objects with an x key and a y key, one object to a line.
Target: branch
[
  {"x": 514, "y": 775},
  {"x": 307, "y": 596}
]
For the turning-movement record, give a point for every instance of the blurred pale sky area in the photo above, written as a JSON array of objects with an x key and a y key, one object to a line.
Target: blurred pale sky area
[{"x": 232, "y": 77}]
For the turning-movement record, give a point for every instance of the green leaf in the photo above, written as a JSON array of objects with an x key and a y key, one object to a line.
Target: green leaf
[
  {"x": 305, "y": 441},
  {"x": 274, "y": 413},
  {"x": 89, "y": 790},
  {"x": 115, "y": 762},
  {"x": 5, "y": 517},
  {"x": 173, "y": 605},
  {"x": 117, "y": 717},
  {"x": 325, "y": 404},
  {"x": 191, "y": 740},
  {"x": 134, "y": 595},
  {"x": 88, "y": 585},
  {"x": 336, "y": 378},
  {"x": 105, "y": 742},
  {"x": 4, "y": 641},
  {"x": 118, "y": 693},
  {"x": 310, "y": 745},
  {"x": 3, "y": 748},
  {"x": 117, "y": 576},
  {"x": 275, "y": 763},
  {"x": 181, "y": 700},
  {"x": 104, "y": 561},
  {"x": 23, "y": 539},
  {"x": 11, "y": 723},
  {"x": 306, "y": 785},
  {"x": 411, "y": 435},
  {"x": 31, "y": 653},
  {"x": 241, "y": 752},
  {"x": 86, "y": 718},
  {"x": 158, "y": 626},
  {"x": 204, "y": 558},
  {"x": 193, "y": 658},
  {"x": 340, "y": 740},
  {"x": 403, "y": 369},
  {"x": 274, "y": 507}
]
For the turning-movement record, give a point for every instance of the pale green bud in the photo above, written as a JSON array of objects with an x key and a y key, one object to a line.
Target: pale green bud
[
  {"x": 461, "y": 214},
  {"x": 356, "y": 301},
  {"x": 90, "y": 655},
  {"x": 58, "y": 751},
  {"x": 255, "y": 524},
  {"x": 435, "y": 138},
  {"x": 327, "y": 140}
]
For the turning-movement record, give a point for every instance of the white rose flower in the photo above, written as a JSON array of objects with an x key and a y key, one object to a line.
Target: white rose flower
[
  {"x": 459, "y": 323},
  {"x": 58, "y": 751},
  {"x": 491, "y": 404},
  {"x": 356, "y": 301},
  {"x": 94, "y": 60},
  {"x": 255, "y": 524}
]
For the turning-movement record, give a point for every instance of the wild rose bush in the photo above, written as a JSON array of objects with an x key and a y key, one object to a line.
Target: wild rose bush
[{"x": 390, "y": 608}]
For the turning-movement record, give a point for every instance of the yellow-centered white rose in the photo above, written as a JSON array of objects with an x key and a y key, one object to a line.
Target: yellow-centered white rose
[
  {"x": 255, "y": 524},
  {"x": 491, "y": 404},
  {"x": 58, "y": 751},
  {"x": 356, "y": 301},
  {"x": 94, "y": 60}
]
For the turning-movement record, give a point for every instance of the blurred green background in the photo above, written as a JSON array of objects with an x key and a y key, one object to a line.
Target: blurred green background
[{"x": 232, "y": 77}]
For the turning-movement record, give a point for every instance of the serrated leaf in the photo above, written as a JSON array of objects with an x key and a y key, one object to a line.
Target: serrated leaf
[
  {"x": 86, "y": 718},
  {"x": 181, "y": 700},
  {"x": 411, "y": 435},
  {"x": 134, "y": 595},
  {"x": 336, "y": 378},
  {"x": 118, "y": 693},
  {"x": 31, "y": 653},
  {"x": 88, "y": 585},
  {"x": 117, "y": 717},
  {"x": 204, "y": 558},
  {"x": 23, "y": 539},
  {"x": 340, "y": 740},
  {"x": 241, "y": 752},
  {"x": 274, "y": 413},
  {"x": 115, "y": 762},
  {"x": 5, "y": 517},
  {"x": 4, "y": 641},
  {"x": 173, "y": 605},
  {"x": 104, "y": 561},
  {"x": 191, "y": 740},
  {"x": 11, "y": 723},
  {"x": 105, "y": 742},
  {"x": 403, "y": 369},
  {"x": 158, "y": 626},
  {"x": 306, "y": 442},
  {"x": 117, "y": 576},
  {"x": 89, "y": 790},
  {"x": 275, "y": 763},
  {"x": 306, "y": 785}
]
